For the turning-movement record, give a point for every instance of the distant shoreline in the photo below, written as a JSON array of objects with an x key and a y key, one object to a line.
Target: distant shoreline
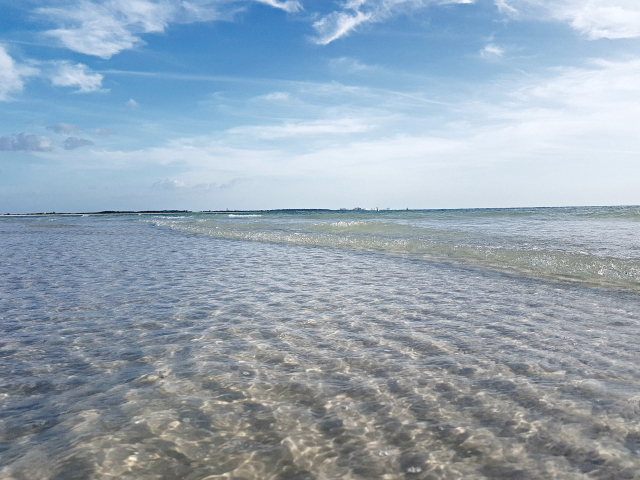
[
  {"x": 291, "y": 210},
  {"x": 165, "y": 212}
]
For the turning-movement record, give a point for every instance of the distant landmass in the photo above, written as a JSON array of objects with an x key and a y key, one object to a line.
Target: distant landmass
[{"x": 155, "y": 212}]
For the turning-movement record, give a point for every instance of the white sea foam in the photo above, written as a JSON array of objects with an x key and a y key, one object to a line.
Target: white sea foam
[{"x": 346, "y": 224}]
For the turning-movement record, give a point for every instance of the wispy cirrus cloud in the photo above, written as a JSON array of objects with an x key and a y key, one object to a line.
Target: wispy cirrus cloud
[
  {"x": 338, "y": 24},
  {"x": 596, "y": 19},
  {"x": 354, "y": 13},
  {"x": 109, "y": 27},
  {"x": 106, "y": 28},
  {"x": 289, "y": 6}
]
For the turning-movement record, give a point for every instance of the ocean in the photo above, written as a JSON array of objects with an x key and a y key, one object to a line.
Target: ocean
[{"x": 426, "y": 344}]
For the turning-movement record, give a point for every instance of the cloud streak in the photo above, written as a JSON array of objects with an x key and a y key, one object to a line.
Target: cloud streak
[
  {"x": 341, "y": 126},
  {"x": 338, "y": 24},
  {"x": 289, "y": 6},
  {"x": 354, "y": 13}
]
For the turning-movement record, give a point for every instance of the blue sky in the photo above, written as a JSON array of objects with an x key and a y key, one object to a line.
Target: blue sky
[{"x": 215, "y": 104}]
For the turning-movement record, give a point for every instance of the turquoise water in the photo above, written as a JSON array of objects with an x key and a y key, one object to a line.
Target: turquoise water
[{"x": 424, "y": 344}]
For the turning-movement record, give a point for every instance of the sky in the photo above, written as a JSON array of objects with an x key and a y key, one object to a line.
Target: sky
[{"x": 266, "y": 104}]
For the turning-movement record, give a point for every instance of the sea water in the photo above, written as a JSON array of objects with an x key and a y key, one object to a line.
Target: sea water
[{"x": 461, "y": 344}]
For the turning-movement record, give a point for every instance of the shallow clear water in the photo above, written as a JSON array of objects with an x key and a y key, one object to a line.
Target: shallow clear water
[{"x": 432, "y": 345}]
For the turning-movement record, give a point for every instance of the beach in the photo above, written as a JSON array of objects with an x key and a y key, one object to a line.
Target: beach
[{"x": 426, "y": 344}]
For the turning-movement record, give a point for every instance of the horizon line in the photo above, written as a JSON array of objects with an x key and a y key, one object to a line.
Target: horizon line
[{"x": 292, "y": 210}]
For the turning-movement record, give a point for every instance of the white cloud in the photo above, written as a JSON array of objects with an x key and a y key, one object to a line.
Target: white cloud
[
  {"x": 338, "y": 24},
  {"x": 10, "y": 78},
  {"x": 353, "y": 13},
  {"x": 595, "y": 18},
  {"x": 289, "y": 6},
  {"x": 275, "y": 96},
  {"x": 104, "y": 29},
  {"x": 107, "y": 28},
  {"x": 491, "y": 52},
  {"x": 505, "y": 7},
  {"x": 25, "y": 142},
  {"x": 131, "y": 103},
  {"x": 168, "y": 184},
  {"x": 174, "y": 185},
  {"x": 341, "y": 126},
  {"x": 62, "y": 73},
  {"x": 67, "y": 74},
  {"x": 12, "y": 75}
]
